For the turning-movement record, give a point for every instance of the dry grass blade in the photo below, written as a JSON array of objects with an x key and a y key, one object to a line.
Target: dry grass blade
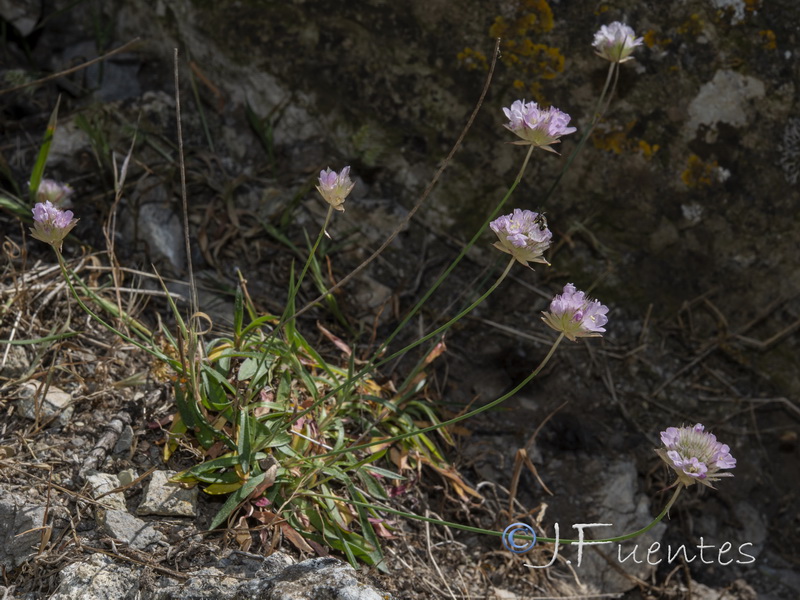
[
  {"x": 71, "y": 70},
  {"x": 400, "y": 227},
  {"x": 184, "y": 197},
  {"x": 431, "y": 557}
]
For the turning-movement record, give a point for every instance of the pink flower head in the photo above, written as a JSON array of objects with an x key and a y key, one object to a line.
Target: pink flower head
[
  {"x": 696, "y": 456},
  {"x": 335, "y": 187},
  {"x": 536, "y": 126},
  {"x": 616, "y": 42},
  {"x": 524, "y": 235},
  {"x": 50, "y": 224},
  {"x": 53, "y": 191},
  {"x": 575, "y": 315}
]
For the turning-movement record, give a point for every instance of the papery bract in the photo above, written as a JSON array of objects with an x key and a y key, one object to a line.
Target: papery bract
[
  {"x": 616, "y": 42},
  {"x": 524, "y": 235},
  {"x": 536, "y": 126},
  {"x": 576, "y": 315},
  {"x": 50, "y": 224},
  {"x": 53, "y": 191},
  {"x": 695, "y": 455},
  {"x": 335, "y": 187}
]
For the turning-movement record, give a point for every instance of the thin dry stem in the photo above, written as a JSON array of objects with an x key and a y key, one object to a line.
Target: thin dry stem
[
  {"x": 71, "y": 70},
  {"x": 400, "y": 227},
  {"x": 184, "y": 197}
]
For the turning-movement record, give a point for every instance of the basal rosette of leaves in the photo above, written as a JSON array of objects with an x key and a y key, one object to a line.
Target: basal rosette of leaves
[{"x": 260, "y": 411}]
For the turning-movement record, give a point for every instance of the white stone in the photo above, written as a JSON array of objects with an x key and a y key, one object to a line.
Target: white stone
[
  {"x": 101, "y": 483},
  {"x": 161, "y": 497},
  {"x": 727, "y": 99},
  {"x": 54, "y": 403}
]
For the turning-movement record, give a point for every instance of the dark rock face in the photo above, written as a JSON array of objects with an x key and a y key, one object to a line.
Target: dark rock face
[
  {"x": 684, "y": 200},
  {"x": 686, "y": 187}
]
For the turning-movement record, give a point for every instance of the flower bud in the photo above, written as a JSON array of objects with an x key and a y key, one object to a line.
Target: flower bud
[{"x": 335, "y": 187}]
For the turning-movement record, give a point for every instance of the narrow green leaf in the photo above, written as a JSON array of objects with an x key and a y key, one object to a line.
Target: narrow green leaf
[
  {"x": 366, "y": 528},
  {"x": 222, "y": 462},
  {"x": 348, "y": 551},
  {"x": 190, "y": 413},
  {"x": 214, "y": 394},
  {"x": 263, "y": 130},
  {"x": 256, "y": 323},
  {"x": 270, "y": 434},
  {"x": 15, "y": 207},
  {"x": 384, "y": 472},
  {"x": 300, "y": 372},
  {"x": 244, "y": 440},
  {"x": 235, "y": 499},
  {"x": 276, "y": 233},
  {"x": 284, "y": 389},
  {"x": 374, "y": 488},
  {"x": 238, "y": 314},
  {"x": 44, "y": 151},
  {"x": 290, "y": 328},
  {"x": 257, "y": 369},
  {"x": 219, "y": 378},
  {"x": 211, "y": 477},
  {"x": 303, "y": 343},
  {"x": 49, "y": 338}
]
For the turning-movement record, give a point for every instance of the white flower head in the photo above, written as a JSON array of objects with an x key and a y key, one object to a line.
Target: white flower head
[{"x": 616, "y": 42}]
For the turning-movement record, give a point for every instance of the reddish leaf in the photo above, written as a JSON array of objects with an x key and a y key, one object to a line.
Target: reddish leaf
[
  {"x": 437, "y": 351},
  {"x": 335, "y": 340},
  {"x": 297, "y": 540}
]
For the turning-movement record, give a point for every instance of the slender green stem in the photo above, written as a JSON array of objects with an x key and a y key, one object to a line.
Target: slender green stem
[
  {"x": 293, "y": 290},
  {"x": 311, "y": 254},
  {"x": 628, "y": 536},
  {"x": 42, "y": 340},
  {"x": 458, "y": 419},
  {"x": 408, "y": 515},
  {"x": 68, "y": 278},
  {"x": 613, "y": 70},
  {"x": 440, "y": 329},
  {"x": 447, "y": 325},
  {"x": 373, "y": 362},
  {"x": 426, "y": 192},
  {"x": 455, "y": 262},
  {"x": 584, "y": 138}
]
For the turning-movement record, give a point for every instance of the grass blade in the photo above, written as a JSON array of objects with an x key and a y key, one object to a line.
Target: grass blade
[
  {"x": 44, "y": 151},
  {"x": 235, "y": 499}
]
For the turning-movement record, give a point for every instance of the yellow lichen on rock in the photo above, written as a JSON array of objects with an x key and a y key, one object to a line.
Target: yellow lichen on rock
[
  {"x": 618, "y": 141},
  {"x": 768, "y": 39},
  {"x": 698, "y": 173},
  {"x": 530, "y": 60}
]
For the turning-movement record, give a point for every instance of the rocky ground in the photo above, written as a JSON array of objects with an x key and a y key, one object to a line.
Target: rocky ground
[{"x": 702, "y": 325}]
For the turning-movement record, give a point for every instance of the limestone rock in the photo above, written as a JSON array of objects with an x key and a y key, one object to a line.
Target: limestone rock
[
  {"x": 99, "y": 578},
  {"x": 54, "y": 404},
  {"x": 20, "y": 533},
  {"x": 101, "y": 483},
  {"x": 169, "y": 499},
  {"x": 123, "y": 526}
]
